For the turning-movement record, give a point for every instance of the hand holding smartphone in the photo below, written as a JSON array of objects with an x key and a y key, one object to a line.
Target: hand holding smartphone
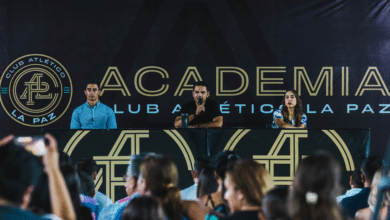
[{"x": 33, "y": 144}]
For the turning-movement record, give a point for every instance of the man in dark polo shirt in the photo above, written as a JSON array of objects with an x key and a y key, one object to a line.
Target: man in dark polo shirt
[
  {"x": 202, "y": 112},
  {"x": 359, "y": 201}
]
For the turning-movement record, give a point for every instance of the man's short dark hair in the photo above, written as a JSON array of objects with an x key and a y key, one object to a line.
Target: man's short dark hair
[
  {"x": 201, "y": 83},
  {"x": 19, "y": 169},
  {"x": 357, "y": 178},
  {"x": 87, "y": 165},
  {"x": 87, "y": 186},
  {"x": 93, "y": 81},
  {"x": 370, "y": 165}
]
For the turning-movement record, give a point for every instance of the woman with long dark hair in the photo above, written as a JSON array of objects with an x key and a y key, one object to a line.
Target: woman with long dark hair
[
  {"x": 207, "y": 187},
  {"x": 291, "y": 115},
  {"x": 314, "y": 189},
  {"x": 221, "y": 162},
  {"x": 246, "y": 183},
  {"x": 159, "y": 178}
]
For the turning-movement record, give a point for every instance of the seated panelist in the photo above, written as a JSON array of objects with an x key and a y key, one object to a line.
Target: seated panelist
[
  {"x": 202, "y": 112},
  {"x": 93, "y": 114},
  {"x": 291, "y": 114}
]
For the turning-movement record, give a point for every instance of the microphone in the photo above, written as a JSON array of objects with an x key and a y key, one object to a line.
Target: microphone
[{"x": 200, "y": 101}]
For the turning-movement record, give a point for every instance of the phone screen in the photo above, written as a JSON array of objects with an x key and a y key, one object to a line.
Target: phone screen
[{"x": 33, "y": 144}]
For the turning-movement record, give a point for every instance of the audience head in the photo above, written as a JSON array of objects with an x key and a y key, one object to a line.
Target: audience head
[
  {"x": 369, "y": 166},
  {"x": 246, "y": 184},
  {"x": 221, "y": 161},
  {"x": 314, "y": 189},
  {"x": 274, "y": 203},
  {"x": 65, "y": 159},
  {"x": 133, "y": 171},
  {"x": 207, "y": 183},
  {"x": 87, "y": 185},
  {"x": 19, "y": 173},
  {"x": 203, "y": 175},
  {"x": 143, "y": 208},
  {"x": 159, "y": 178},
  {"x": 72, "y": 181},
  {"x": 372, "y": 199},
  {"x": 200, "y": 163},
  {"x": 40, "y": 200},
  {"x": 87, "y": 165},
  {"x": 355, "y": 180}
]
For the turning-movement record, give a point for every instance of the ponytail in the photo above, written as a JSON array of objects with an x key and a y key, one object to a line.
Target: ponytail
[{"x": 170, "y": 198}]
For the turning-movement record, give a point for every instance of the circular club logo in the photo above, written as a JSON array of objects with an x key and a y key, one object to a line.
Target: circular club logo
[{"x": 36, "y": 90}]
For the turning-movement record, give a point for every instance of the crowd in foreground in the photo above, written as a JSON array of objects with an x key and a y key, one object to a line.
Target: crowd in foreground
[{"x": 225, "y": 187}]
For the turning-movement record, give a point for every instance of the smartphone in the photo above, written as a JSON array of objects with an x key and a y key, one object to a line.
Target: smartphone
[{"x": 33, "y": 144}]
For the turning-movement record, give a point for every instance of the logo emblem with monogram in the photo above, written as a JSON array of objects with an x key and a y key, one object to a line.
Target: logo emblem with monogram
[{"x": 36, "y": 90}]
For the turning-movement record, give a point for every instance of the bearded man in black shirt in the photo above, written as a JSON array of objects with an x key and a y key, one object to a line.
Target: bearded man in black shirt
[{"x": 202, "y": 112}]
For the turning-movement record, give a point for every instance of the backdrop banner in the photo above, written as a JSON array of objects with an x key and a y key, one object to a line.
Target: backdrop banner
[
  {"x": 147, "y": 54},
  {"x": 279, "y": 150}
]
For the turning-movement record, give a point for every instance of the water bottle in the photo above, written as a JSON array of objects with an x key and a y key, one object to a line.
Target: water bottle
[{"x": 184, "y": 120}]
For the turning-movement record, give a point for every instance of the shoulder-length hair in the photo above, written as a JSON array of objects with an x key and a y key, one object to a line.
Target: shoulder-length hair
[
  {"x": 251, "y": 179},
  {"x": 161, "y": 178},
  {"x": 314, "y": 189},
  {"x": 298, "y": 110}
]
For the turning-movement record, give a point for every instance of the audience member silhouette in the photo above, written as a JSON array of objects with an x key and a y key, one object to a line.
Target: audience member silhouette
[
  {"x": 314, "y": 189},
  {"x": 89, "y": 166},
  {"x": 190, "y": 193},
  {"x": 220, "y": 164},
  {"x": 359, "y": 201},
  {"x": 356, "y": 184},
  {"x": 274, "y": 203},
  {"x": 246, "y": 183},
  {"x": 367, "y": 213},
  {"x": 143, "y": 208}
]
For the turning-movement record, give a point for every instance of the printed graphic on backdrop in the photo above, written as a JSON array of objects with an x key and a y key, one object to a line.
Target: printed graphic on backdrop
[
  {"x": 278, "y": 150},
  {"x": 281, "y": 150},
  {"x": 36, "y": 90},
  {"x": 111, "y": 150}
]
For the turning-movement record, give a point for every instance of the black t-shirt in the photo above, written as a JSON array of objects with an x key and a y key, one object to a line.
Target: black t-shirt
[{"x": 211, "y": 111}]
